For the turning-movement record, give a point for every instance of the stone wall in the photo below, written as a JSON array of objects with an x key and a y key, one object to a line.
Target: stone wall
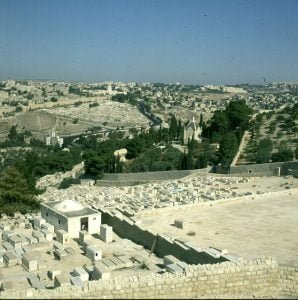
[
  {"x": 268, "y": 169},
  {"x": 148, "y": 176},
  {"x": 261, "y": 277},
  {"x": 162, "y": 244}
]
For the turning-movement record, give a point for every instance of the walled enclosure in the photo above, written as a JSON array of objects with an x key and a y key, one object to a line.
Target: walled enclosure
[{"x": 213, "y": 278}]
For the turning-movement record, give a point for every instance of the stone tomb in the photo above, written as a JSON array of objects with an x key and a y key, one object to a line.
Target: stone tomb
[
  {"x": 106, "y": 233},
  {"x": 10, "y": 258},
  {"x": 62, "y": 237},
  {"x": 30, "y": 261},
  {"x": 93, "y": 252}
]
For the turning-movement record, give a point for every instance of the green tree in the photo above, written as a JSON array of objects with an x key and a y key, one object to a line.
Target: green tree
[
  {"x": 13, "y": 132},
  {"x": 283, "y": 154},
  {"x": 228, "y": 148},
  {"x": 219, "y": 126},
  {"x": 238, "y": 114},
  {"x": 264, "y": 150},
  {"x": 15, "y": 194},
  {"x": 173, "y": 130},
  {"x": 201, "y": 120},
  {"x": 94, "y": 164}
]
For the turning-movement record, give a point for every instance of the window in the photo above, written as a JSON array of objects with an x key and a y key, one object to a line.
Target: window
[
  {"x": 249, "y": 171},
  {"x": 94, "y": 218},
  {"x": 59, "y": 222},
  {"x": 96, "y": 254},
  {"x": 47, "y": 214}
]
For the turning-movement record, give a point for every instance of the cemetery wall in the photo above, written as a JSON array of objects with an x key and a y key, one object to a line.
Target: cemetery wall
[
  {"x": 268, "y": 169},
  {"x": 261, "y": 277},
  {"x": 160, "y": 244},
  {"x": 158, "y": 175}
]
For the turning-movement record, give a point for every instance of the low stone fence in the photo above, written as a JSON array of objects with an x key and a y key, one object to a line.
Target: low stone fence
[{"x": 261, "y": 277}]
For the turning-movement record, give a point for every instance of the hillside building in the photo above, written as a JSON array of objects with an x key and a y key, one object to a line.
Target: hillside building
[{"x": 54, "y": 139}]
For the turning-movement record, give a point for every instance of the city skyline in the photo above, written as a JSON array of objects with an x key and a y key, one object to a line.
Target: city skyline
[{"x": 192, "y": 42}]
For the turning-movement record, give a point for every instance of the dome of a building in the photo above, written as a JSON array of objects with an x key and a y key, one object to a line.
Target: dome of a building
[{"x": 68, "y": 205}]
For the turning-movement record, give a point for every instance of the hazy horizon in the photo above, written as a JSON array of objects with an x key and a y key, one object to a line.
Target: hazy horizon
[{"x": 168, "y": 41}]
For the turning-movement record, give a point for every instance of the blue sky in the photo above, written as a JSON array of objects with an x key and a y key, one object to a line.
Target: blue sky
[{"x": 188, "y": 41}]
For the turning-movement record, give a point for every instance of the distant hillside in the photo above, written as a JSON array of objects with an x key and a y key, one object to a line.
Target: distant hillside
[{"x": 280, "y": 127}]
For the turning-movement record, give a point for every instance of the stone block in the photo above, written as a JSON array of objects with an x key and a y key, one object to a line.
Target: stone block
[
  {"x": 94, "y": 253},
  {"x": 181, "y": 224},
  {"x": 76, "y": 281},
  {"x": 38, "y": 235},
  {"x": 15, "y": 241},
  {"x": 6, "y": 235},
  {"x": 62, "y": 279},
  {"x": 80, "y": 272},
  {"x": 170, "y": 259},
  {"x": 101, "y": 272},
  {"x": 31, "y": 239},
  {"x": 42, "y": 266},
  {"x": 48, "y": 227},
  {"x": 38, "y": 221},
  {"x": 62, "y": 237},
  {"x": 23, "y": 240},
  {"x": 60, "y": 253},
  {"x": 29, "y": 261},
  {"x": 106, "y": 233},
  {"x": 53, "y": 273},
  {"x": 36, "y": 283},
  {"x": 10, "y": 258},
  {"x": 89, "y": 269},
  {"x": 212, "y": 252},
  {"x": 47, "y": 234},
  {"x": 84, "y": 236},
  {"x": 174, "y": 268}
]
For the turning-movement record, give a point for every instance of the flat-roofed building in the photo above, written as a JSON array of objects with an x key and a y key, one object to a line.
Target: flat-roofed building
[{"x": 71, "y": 216}]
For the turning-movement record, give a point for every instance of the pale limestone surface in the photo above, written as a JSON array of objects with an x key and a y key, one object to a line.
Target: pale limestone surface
[{"x": 265, "y": 225}]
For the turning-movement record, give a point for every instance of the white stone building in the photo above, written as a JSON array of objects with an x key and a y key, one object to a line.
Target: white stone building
[
  {"x": 54, "y": 139},
  {"x": 71, "y": 217}
]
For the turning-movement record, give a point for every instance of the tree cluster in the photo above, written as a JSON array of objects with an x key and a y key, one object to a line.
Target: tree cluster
[
  {"x": 15, "y": 193},
  {"x": 226, "y": 127}
]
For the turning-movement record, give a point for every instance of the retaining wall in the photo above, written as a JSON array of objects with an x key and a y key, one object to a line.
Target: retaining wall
[
  {"x": 257, "y": 278},
  {"x": 158, "y": 175},
  {"x": 160, "y": 244}
]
